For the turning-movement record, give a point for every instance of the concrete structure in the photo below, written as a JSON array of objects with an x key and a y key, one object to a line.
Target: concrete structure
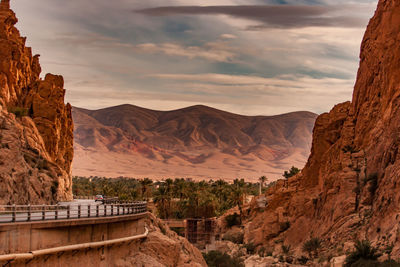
[{"x": 74, "y": 242}]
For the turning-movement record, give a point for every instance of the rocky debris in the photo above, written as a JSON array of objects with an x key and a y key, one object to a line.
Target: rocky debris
[
  {"x": 163, "y": 247},
  {"x": 338, "y": 261},
  {"x": 36, "y": 144},
  {"x": 257, "y": 261},
  {"x": 349, "y": 188}
]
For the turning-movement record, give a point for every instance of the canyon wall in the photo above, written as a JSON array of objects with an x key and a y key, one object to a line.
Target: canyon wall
[
  {"x": 349, "y": 188},
  {"x": 36, "y": 128}
]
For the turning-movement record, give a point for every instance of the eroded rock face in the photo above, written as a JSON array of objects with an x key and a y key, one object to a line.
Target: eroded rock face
[
  {"x": 36, "y": 126},
  {"x": 349, "y": 188},
  {"x": 162, "y": 248}
]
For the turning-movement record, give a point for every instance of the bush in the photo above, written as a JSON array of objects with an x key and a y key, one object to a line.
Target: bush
[
  {"x": 232, "y": 220},
  {"x": 217, "y": 259},
  {"x": 312, "y": 246},
  {"x": 286, "y": 249},
  {"x": 236, "y": 237},
  {"x": 264, "y": 252},
  {"x": 19, "y": 111},
  {"x": 284, "y": 226},
  {"x": 250, "y": 248},
  {"x": 363, "y": 253},
  {"x": 303, "y": 260},
  {"x": 375, "y": 263}
]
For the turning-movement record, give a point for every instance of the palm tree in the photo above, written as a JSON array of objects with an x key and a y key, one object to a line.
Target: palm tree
[
  {"x": 237, "y": 195},
  {"x": 145, "y": 185},
  {"x": 288, "y": 174},
  {"x": 262, "y": 180},
  {"x": 162, "y": 199}
]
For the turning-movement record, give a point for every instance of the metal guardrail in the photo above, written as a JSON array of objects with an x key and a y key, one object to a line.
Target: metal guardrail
[{"x": 28, "y": 213}]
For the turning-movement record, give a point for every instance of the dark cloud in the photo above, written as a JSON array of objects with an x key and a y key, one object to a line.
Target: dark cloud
[{"x": 281, "y": 16}]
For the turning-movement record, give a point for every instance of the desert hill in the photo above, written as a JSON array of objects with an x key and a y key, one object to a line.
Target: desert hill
[{"x": 197, "y": 141}]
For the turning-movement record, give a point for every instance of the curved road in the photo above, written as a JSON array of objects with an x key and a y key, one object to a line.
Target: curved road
[{"x": 22, "y": 216}]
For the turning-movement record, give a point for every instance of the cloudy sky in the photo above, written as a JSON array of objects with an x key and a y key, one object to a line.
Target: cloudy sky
[{"x": 254, "y": 57}]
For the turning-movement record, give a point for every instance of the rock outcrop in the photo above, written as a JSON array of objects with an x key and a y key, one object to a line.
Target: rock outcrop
[
  {"x": 349, "y": 188},
  {"x": 36, "y": 129},
  {"x": 161, "y": 248}
]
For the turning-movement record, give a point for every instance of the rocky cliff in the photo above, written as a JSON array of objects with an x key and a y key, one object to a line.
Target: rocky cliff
[
  {"x": 349, "y": 188},
  {"x": 36, "y": 129}
]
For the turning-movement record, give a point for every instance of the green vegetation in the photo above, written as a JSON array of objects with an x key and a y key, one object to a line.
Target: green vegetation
[
  {"x": 232, "y": 220},
  {"x": 303, "y": 260},
  {"x": 250, "y": 248},
  {"x": 235, "y": 237},
  {"x": 286, "y": 249},
  {"x": 312, "y": 247},
  {"x": 174, "y": 199},
  {"x": 292, "y": 172},
  {"x": 362, "y": 254},
  {"x": 218, "y": 259},
  {"x": 19, "y": 111},
  {"x": 284, "y": 226}
]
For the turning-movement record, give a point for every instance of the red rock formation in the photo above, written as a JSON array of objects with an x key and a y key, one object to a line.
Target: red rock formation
[
  {"x": 349, "y": 188},
  {"x": 37, "y": 144}
]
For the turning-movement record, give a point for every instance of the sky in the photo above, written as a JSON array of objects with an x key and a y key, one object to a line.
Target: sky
[{"x": 252, "y": 57}]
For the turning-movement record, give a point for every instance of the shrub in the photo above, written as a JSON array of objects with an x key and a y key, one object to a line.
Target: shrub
[
  {"x": 312, "y": 246},
  {"x": 263, "y": 252},
  {"x": 284, "y": 226},
  {"x": 292, "y": 172},
  {"x": 303, "y": 260},
  {"x": 375, "y": 263},
  {"x": 217, "y": 259},
  {"x": 250, "y": 248},
  {"x": 232, "y": 220},
  {"x": 363, "y": 252},
  {"x": 236, "y": 237},
  {"x": 349, "y": 148},
  {"x": 19, "y": 111},
  {"x": 286, "y": 249}
]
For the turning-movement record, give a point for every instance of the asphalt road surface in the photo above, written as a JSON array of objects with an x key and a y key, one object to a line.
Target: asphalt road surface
[{"x": 22, "y": 216}]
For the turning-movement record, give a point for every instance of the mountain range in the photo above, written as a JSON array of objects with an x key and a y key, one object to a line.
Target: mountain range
[{"x": 198, "y": 142}]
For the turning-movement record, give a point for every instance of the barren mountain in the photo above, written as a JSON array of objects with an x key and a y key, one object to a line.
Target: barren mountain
[{"x": 197, "y": 142}]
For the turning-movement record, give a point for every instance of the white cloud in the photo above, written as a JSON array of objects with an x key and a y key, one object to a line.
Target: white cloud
[{"x": 212, "y": 51}]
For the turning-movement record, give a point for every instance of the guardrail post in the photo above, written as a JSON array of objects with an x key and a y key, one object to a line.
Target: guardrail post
[
  {"x": 79, "y": 211},
  {"x": 112, "y": 209},
  {"x": 88, "y": 210},
  {"x": 105, "y": 210},
  {"x": 29, "y": 213},
  {"x": 97, "y": 210},
  {"x": 123, "y": 209},
  {"x": 14, "y": 213},
  {"x": 118, "y": 209},
  {"x": 56, "y": 213},
  {"x": 43, "y": 212},
  {"x": 68, "y": 211}
]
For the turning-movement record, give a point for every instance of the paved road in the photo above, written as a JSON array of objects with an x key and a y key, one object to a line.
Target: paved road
[{"x": 62, "y": 212}]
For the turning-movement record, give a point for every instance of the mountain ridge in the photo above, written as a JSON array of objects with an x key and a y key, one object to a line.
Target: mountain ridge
[{"x": 193, "y": 136}]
